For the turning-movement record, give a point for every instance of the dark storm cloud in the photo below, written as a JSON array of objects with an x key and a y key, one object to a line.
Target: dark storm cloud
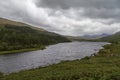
[
  {"x": 93, "y": 8},
  {"x": 103, "y": 13},
  {"x": 65, "y": 4},
  {"x": 67, "y": 17}
]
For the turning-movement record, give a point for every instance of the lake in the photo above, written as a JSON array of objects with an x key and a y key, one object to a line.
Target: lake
[{"x": 51, "y": 55}]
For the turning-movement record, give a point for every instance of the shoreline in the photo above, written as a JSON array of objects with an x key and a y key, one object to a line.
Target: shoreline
[
  {"x": 102, "y": 66},
  {"x": 34, "y": 49},
  {"x": 20, "y": 51},
  {"x": 27, "y": 49}
]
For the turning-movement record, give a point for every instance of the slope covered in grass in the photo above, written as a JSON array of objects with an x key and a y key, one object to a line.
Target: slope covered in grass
[
  {"x": 112, "y": 38},
  {"x": 102, "y": 66},
  {"x": 21, "y": 37}
]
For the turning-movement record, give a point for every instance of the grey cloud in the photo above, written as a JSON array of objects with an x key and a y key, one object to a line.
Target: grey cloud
[
  {"x": 92, "y": 8},
  {"x": 65, "y": 4},
  {"x": 66, "y": 17},
  {"x": 103, "y": 13}
]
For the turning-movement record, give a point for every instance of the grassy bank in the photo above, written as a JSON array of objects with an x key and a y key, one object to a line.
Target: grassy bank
[
  {"x": 103, "y": 66},
  {"x": 20, "y": 51}
]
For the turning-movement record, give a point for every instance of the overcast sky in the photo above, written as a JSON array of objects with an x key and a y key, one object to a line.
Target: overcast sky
[{"x": 67, "y": 17}]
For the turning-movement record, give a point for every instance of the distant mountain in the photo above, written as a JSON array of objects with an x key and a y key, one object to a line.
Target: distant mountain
[
  {"x": 17, "y": 36},
  {"x": 94, "y": 36},
  {"x": 86, "y": 37},
  {"x": 118, "y": 33},
  {"x": 112, "y": 38}
]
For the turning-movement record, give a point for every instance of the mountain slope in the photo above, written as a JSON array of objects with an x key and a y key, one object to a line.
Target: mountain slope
[
  {"x": 18, "y": 36},
  {"x": 6, "y": 21},
  {"x": 112, "y": 38},
  {"x": 95, "y": 36}
]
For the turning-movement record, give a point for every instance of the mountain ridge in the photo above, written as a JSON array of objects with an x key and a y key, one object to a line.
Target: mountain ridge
[
  {"x": 112, "y": 38},
  {"x": 17, "y": 37}
]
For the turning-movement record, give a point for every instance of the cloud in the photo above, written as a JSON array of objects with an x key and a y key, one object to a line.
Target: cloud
[
  {"x": 65, "y": 4},
  {"x": 66, "y": 17}
]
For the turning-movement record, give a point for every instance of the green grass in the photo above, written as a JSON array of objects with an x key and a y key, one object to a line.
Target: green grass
[
  {"x": 103, "y": 66},
  {"x": 21, "y": 50},
  {"x": 15, "y": 38}
]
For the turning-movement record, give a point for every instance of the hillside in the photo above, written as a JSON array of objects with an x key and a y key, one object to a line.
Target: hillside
[
  {"x": 112, "y": 38},
  {"x": 17, "y": 37},
  {"x": 94, "y": 36},
  {"x": 105, "y": 65},
  {"x": 87, "y": 37},
  {"x": 6, "y": 21}
]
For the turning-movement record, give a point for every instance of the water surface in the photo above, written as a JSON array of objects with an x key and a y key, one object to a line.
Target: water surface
[{"x": 51, "y": 55}]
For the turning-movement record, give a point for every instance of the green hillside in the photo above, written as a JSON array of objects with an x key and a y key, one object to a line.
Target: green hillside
[
  {"x": 112, "y": 38},
  {"x": 102, "y": 66},
  {"x": 19, "y": 37}
]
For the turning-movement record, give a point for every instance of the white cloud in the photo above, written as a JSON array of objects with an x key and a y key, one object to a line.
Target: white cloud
[{"x": 75, "y": 21}]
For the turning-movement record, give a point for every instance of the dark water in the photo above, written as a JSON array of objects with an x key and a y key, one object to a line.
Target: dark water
[{"x": 53, "y": 54}]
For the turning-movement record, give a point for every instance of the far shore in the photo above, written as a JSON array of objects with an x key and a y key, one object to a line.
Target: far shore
[
  {"x": 32, "y": 49},
  {"x": 20, "y": 51}
]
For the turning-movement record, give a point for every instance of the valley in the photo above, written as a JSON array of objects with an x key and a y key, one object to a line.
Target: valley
[{"x": 104, "y": 65}]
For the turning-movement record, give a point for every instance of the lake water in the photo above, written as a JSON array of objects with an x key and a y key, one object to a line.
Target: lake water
[{"x": 51, "y": 55}]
